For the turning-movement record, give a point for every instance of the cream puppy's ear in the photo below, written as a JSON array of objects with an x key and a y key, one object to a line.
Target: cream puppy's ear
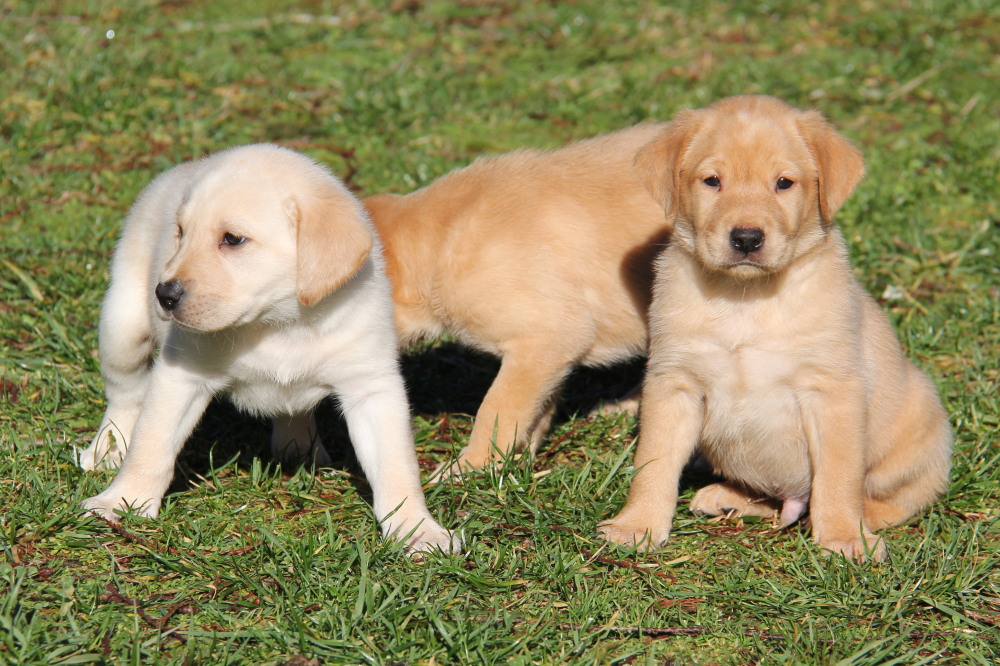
[
  {"x": 332, "y": 241},
  {"x": 657, "y": 164},
  {"x": 840, "y": 165}
]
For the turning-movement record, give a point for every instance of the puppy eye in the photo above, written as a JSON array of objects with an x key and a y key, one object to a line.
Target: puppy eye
[
  {"x": 784, "y": 183},
  {"x": 711, "y": 181},
  {"x": 232, "y": 239}
]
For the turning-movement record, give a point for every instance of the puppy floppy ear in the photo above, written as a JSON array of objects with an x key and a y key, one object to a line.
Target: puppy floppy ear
[
  {"x": 657, "y": 164},
  {"x": 839, "y": 164},
  {"x": 333, "y": 240}
]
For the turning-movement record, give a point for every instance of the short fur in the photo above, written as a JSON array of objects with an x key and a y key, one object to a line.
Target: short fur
[
  {"x": 298, "y": 310},
  {"x": 543, "y": 258},
  {"x": 773, "y": 359}
]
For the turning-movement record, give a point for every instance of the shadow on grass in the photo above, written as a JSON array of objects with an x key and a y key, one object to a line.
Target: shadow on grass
[{"x": 443, "y": 379}]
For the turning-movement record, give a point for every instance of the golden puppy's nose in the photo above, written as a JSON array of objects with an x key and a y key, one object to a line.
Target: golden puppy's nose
[
  {"x": 169, "y": 294},
  {"x": 746, "y": 240}
]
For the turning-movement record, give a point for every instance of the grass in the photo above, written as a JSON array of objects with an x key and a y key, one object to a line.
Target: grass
[{"x": 252, "y": 564}]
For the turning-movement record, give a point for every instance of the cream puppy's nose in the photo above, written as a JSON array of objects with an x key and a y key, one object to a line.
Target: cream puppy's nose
[{"x": 169, "y": 294}]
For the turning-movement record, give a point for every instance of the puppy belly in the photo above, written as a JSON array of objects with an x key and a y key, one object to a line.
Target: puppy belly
[{"x": 758, "y": 441}]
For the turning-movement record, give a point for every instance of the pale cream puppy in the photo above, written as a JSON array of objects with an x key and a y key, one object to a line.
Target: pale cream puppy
[
  {"x": 543, "y": 258},
  {"x": 765, "y": 351},
  {"x": 253, "y": 274}
]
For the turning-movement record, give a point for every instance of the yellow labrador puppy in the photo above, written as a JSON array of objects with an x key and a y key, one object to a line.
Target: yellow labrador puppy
[
  {"x": 764, "y": 348},
  {"x": 254, "y": 274},
  {"x": 543, "y": 258}
]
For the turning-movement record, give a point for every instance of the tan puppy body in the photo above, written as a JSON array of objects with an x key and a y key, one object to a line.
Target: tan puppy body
[
  {"x": 765, "y": 351},
  {"x": 542, "y": 258},
  {"x": 256, "y": 275}
]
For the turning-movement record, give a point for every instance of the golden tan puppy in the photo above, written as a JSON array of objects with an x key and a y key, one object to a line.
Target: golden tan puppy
[
  {"x": 543, "y": 258},
  {"x": 765, "y": 351},
  {"x": 253, "y": 274}
]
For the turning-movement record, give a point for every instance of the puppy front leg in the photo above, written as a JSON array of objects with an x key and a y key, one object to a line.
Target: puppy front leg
[
  {"x": 378, "y": 419},
  {"x": 670, "y": 421},
  {"x": 173, "y": 405},
  {"x": 835, "y": 429}
]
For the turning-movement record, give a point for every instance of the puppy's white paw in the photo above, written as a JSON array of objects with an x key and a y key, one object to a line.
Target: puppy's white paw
[
  {"x": 425, "y": 535},
  {"x": 110, "y": 505},
  {"x": 104, "y": 451},
  {"x": 437, "y": 539}
]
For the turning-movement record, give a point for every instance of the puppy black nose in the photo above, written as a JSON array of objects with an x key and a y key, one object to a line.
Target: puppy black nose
[
  {"x": 746, "y": 240},
  {"x": 169, "y": 294}
]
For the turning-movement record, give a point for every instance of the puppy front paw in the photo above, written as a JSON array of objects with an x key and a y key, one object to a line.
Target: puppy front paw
[
  {"x": 633, "y": 533},
  {"x": 437, "y": 539},
  {"x": 111, "y": 505},
  {"x": 104, "y": 451},
  {"x": 425, "y": 535},
  {"x": 865, "y": 546}
]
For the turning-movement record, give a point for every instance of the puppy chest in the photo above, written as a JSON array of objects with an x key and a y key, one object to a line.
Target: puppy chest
[
  {"x": 271, "y": 397},
  {"x": 753, "y": 428},
  {"x": 278, "y": 383}
]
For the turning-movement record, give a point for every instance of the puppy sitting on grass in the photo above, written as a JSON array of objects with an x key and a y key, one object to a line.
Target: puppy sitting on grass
[
  {"x": 253, "y": 274},
  {"x": 765, "y": 351}
]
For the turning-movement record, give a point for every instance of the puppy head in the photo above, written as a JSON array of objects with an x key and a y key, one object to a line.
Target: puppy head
[
  {"x": 750, "y": 182},
  {"x": 262, "y": 230}
]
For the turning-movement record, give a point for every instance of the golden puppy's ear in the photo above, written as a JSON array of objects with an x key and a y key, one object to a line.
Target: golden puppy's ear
[
  {"x": 657, "y": 164},
  {"x": 841, "y": 166},
  {"x": 332, "y": 241}
]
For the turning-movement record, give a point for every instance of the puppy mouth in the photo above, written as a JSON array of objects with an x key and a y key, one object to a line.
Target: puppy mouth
[{"x": 747, "y": 268}]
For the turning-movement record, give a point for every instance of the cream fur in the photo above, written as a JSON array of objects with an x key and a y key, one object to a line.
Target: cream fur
[
  {"x": 297, "y": 311},
  {"x": 776, "y": 364}
]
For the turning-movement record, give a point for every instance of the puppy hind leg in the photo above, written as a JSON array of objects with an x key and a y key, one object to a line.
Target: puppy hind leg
[
  {"x": 514, "y": 407},
  {"x": 127, "y": 344},
  {"x": 295, "y": 440},
  {"x": 915, "y": 471},
  {"x": 890, "y": 502},
  {"x": 719, "y": 499},
  {"x": 542, "y": 425}
]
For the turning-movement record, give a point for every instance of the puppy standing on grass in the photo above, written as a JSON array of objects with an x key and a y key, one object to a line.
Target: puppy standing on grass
[
  {"x": 543, "y": 258},
  {"x": 255, "y": 274},
  {"x": 764, "y": 348}
]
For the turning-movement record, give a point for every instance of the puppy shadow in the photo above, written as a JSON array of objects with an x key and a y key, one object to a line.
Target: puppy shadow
[
  {"x": 226, "y": 434},
  {"x": 444, "y": 378},
  {"x": 447, "y": 378}
]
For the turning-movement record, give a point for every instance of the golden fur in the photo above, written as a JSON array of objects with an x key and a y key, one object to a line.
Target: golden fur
[
  {"x": 253, "y": 274},
  {"x": 765, "y": 351},
  {"x": 543, "y": 258}
]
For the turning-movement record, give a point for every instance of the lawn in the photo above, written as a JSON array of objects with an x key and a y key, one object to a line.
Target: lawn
[{"x": 249, "y": 563}]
